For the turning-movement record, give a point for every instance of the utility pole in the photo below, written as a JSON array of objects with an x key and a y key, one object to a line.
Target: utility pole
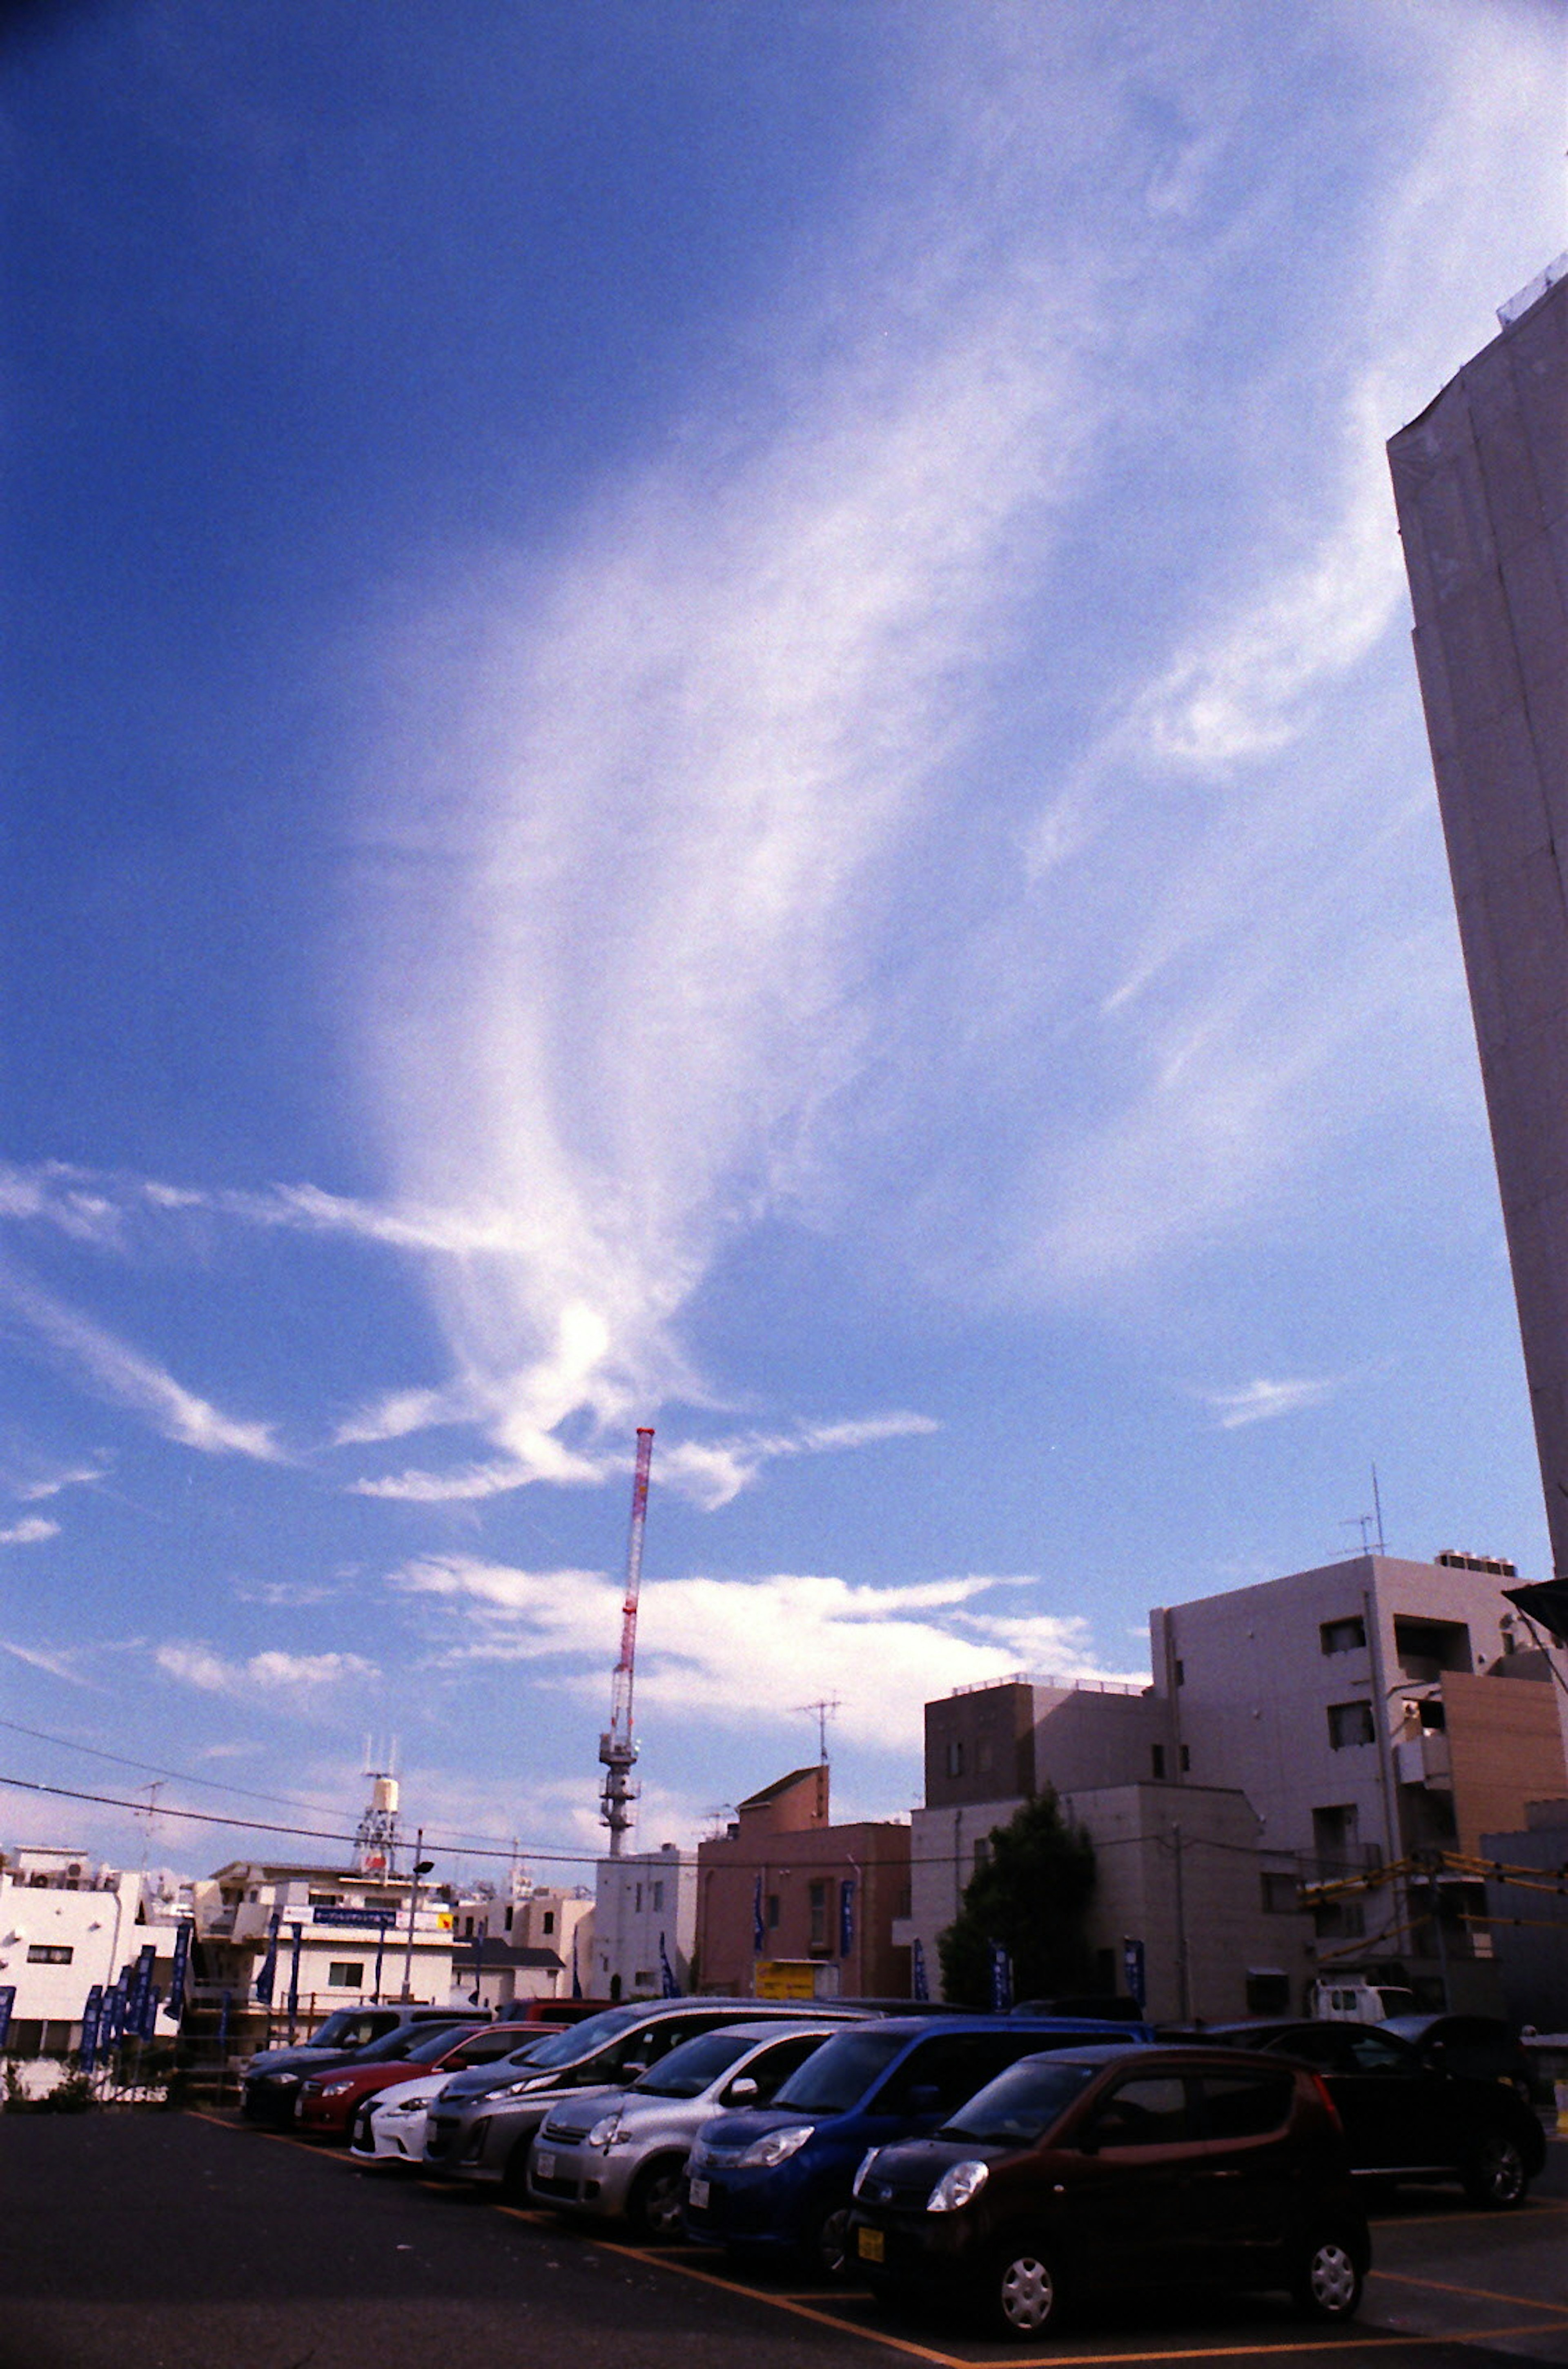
[{"x": 422, "y": 1866}]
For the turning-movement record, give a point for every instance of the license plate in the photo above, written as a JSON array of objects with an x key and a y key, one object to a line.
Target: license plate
[
  {"x": 699, "y": 2194},
  {"x": 870, "y": 2244},
  {"x": 544, "y": 2165}
]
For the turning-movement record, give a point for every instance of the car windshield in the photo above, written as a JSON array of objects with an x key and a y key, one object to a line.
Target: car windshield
[
  {"x": 430, "y": 2045},
  {"x": 338, "y": 2030},
  {"x": 688, "y": 2070},
  {"x": 1020, "y": 2104},
  {"x": 394, "y": 2046},
  {"x": 841, "y": 2071},
  {"x": 580, "y": 2040}
]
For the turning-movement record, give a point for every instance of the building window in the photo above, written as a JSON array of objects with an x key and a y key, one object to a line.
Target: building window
[
  {"x": 1181, "y": 1673},
  {"x": 48, "y": 1953},
  {"x": 324, "y": 1900},
  {"x": 1344, "y": 1636},
  {"x": 955, "y": 1755},
  {"x": 817, "y": 1896},
  {"x": 508, "y": 1917},
  {"x": 1268, "y": 1989},
  {"x": 1350, "y": 1723},
  {"x": 1186, "y": 1758},
  {"x": 657, "y": 1901},
  {"x": 468, "y": 1928},
  {"x": 772, "y": 1912},
  {"x": 346, "y": 1974},
  {"x": 549, "y": 1920},
  {"x": 638, "y": 1902},
  {"x": 1340, "y": 1920},
  {"x": 1157, "y": 1756}
]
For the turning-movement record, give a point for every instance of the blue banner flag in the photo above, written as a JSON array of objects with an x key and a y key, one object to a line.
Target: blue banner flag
[
  {"x": 1001, "y": 1980},
  {"x": 92, "y": 2016},
  {"x": 112, "y": 2023},
  {"x": 136, "y": 1995},
  {"x": 177, "y": 1976},
  {"x": 1134, "y": 1972},
  {"x": 921, "y": 1986},
  {"x": 846, "y": 1916},
  {"x": 294, "y": 1972},
  {"x": 267, "y": 1974},
  {"x": 150, "y": 2012},
  {"x": 7, "y": 2001},
  {"x": 670, "y": 1988},
  {"x": 758, "y": 1937},
  {"x": 577, "y": 1978}
]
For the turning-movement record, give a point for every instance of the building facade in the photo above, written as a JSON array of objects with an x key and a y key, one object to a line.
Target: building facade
[
  {"x": 790, "y": 1905},
  {"x": 66, "y": 1924},
  {"x": 335, "y": 1935},
  {"x": 644, "y": 1920},
  {"x": 1481, "y": 484}
]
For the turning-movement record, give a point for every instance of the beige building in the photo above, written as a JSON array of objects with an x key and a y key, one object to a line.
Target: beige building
[{"x": 788, "y": 1905}]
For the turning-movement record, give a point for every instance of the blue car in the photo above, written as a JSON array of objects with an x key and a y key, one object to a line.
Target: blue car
[{"x": 781, "y": 2176}]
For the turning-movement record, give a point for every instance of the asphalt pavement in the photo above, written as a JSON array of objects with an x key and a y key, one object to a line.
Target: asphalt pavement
[{"x": 164, "y": 2241}]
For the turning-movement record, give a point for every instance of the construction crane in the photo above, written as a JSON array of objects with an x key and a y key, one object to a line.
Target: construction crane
[{"x": 618, "y": 1746}]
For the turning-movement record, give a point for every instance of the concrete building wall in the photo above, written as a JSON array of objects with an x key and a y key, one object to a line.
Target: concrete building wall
[
  {"x": 1481, "y": 484},
  {"x": 65, "y": 1924},
  {"x": 783, "y": 1858},
  {"x": 640, "y": 1901}
]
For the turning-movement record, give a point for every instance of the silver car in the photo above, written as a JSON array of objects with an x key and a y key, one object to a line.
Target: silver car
[{"x": 623, "y": 2152}]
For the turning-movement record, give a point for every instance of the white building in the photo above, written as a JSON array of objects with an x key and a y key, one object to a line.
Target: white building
[
  {"x": 523, "y": 1942},
  {"x": 643, "y": 1903},
  {"x": 341, "y": 1935},
  {"x": 67, "y": 1923}
]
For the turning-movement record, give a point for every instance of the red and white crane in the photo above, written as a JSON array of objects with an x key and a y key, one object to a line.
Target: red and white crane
[{"x": 618, "y": 1746}]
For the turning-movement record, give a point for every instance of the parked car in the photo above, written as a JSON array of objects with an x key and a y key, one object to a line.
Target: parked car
[
  {"x": 271, "y": 2094},
  {"x": 621, "y": 2152},
  {"x": 350, "y": 2028},
  {"x": 1482, "y": 2047},
  {"x": 326, "y": 2099},
  {"x": 387, "y": 2130},
  {"x": 481, "y": 2127},
  {"x": 1406, "y": 2116},
  {"x": 780, "y": 2177},
  {"x": 1111, "y": 2167}
]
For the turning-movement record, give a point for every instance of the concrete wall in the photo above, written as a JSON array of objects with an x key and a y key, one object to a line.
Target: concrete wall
[
  {"x": 1481, "y": 483},
  {"x": 638, "y": 1900}
]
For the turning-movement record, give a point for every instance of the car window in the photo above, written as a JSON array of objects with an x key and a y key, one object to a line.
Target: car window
[
  {"x": 482, "y": 2049},
  {"x": 688, "y": 2070},
  {"x": 1326, "y": 2045},
  {"x": 580, "y": 2040},
  {"x": 1021, "y": 2104},
  {"x": 773, "y": 2068},
  {"x": 1370, "y": 2052},
  {"x": 1151, "y": 2109},
  {"x": 1244, "y": 2105},
  {"x": 840, "y": 2073},
  {"x": 954, "y": 2064}
]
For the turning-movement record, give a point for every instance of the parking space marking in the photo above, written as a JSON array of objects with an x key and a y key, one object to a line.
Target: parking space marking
[{"x": 1476, "y": 2294}]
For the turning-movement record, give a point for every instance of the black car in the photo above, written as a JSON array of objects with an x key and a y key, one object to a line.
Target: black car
[
  {"x": 270, "y": 2090},
  {"x": 1113, "y": 2168},
  {"x": 1406, "y": 2115},
  {"x": 1482, "y": 2046}
]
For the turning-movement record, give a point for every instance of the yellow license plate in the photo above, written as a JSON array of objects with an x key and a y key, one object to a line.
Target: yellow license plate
[{"x": 870, "y": 2242}]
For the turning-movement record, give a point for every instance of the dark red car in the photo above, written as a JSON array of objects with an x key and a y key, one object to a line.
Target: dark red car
[{"x": 327, "y": 2100}]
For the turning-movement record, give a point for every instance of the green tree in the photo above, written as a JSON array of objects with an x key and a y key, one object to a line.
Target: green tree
[{"x": 1030, "y": 1892}]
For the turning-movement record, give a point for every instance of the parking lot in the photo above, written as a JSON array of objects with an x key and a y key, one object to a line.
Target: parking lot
[{"x": 167, "y": 2240}]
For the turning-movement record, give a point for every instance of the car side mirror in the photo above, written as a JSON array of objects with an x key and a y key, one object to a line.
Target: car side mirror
[{"x": 741, "y": 2092}]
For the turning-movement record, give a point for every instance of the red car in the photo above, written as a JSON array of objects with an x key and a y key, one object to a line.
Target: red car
[{"x": 327, "y": 2100}]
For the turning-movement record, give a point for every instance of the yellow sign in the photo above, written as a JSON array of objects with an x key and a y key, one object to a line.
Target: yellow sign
[{"x": 786, "y": 1978}]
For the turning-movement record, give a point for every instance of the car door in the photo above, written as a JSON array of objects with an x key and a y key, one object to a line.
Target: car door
[
  {"x": 1127, "y": 2207},
  {"x": 1391, "y": 2106},
  {"x": 1246, "y": 2170}
]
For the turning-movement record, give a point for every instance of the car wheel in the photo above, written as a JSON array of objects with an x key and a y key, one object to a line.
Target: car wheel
[
  {"x": 1024, "y": 2292},
  {"x": 829, "y": 2247},
  {"x": 1327, "y": 2284},
  {"x": 1495, "y": 2175},
  {"x": 653, "y": 2209}
]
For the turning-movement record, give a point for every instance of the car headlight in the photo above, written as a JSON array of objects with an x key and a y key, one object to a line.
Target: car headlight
[
  {"x": 777, "y": 2147},
  {"x": 513, "y": 2089},
  {"x": 867, "y": 2159},
  {"x": 332, "y": 2088},
  {"x": 284, "y": 2080},
  {"x": 401, "y": 2113},
  {"x": 959, "y": 2185},
  {"x": 602, "y": 2134}
]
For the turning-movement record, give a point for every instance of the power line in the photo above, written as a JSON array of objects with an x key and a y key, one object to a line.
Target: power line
[{"x": 120, "y": 1760}]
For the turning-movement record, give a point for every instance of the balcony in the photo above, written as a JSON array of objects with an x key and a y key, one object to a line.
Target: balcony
[{"x": 1425, "y": 1759}]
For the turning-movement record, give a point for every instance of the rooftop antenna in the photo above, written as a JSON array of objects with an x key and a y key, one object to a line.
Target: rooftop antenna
[
  {"x": 824, "y": 1710},
  {"x": 375, "y": 1836},
  {"x": 1362, "y": 1522},
  {"x": 617, "y": 1746},
  {"x": 1378, "y": 1508}
]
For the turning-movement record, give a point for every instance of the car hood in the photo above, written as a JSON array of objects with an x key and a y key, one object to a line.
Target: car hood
[
  {"x": 406, "y": 2093},
  {"x": 739, "y": 2126}
]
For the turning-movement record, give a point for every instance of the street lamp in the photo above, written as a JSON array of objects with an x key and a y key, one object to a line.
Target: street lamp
[{"x": 422, "y": 1866}]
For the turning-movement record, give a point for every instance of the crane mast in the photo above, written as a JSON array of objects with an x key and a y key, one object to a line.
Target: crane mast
[{"x": 617, "y": 1747}]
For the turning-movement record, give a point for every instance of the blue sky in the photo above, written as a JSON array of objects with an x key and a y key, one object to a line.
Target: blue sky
[{"x": 709, "y": 722}]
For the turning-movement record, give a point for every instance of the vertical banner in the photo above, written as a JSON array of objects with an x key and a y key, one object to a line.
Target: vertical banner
[
  {"x": 477, "y": 1994},
  {"x": 1001, "y": 1980},
  {"x": 295, "y": 1932},
  {"x": 268, "y": 1973},
  {"x": 111, "y": 2025},
  {"x": 846, "y": 1918},
  {"x": 921, "y": 1986},
  {"x": 577, "y": 1978},
  {"x": 668, "y": 1983},
  {"x": 150, "y": 2012},
  {"x": 1134, "y": 1972},
  {"x": 137, "y": 1997},
  {"x": 225, "y": 2003},
  {"x": 758, "y": 1937},
  {"x": 7, "y": 2001},
  {"x": 92, "y": 2016},
  {"x": 177, "y": 1977}
]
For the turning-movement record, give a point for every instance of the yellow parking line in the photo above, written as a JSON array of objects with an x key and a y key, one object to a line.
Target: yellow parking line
[{"x": 1476, "y": 2294}]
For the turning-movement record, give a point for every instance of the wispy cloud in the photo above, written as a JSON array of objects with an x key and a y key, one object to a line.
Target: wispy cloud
[
  {"x": 121, "y": 1374},
  {"x": 1264, "y": 1402},
  {"x": 54, "y": 1665},
  {"x": 744, "y": 1652},
  {"x": 278, "y": 1673},
  {"x": 31, "y": 1532}
]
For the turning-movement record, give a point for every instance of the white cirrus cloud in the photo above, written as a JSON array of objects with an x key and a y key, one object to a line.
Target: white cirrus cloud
[
  {"x": 274, "y": 1673},
  {"x": 1263, "y": 1402},
  {"x": 30, "y": 1532},
  {"x": 54, "y": 1665},
  {"x": 740, "y": 1652}
]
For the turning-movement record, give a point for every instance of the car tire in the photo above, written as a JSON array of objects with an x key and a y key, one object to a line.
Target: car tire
[
  {"x": 1496, "y": 2176},
  {"x": 828, "y": 2250},
  {"x": 654, "y": 2207},
  {"x": 1023, "y": 2291},
  {"x": 1328, "y": 2279}
]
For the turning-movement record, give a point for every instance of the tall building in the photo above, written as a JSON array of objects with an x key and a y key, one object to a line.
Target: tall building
[
  {"x": 792, "y": 1907},
  {"x": 1481, "y": 484}
]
